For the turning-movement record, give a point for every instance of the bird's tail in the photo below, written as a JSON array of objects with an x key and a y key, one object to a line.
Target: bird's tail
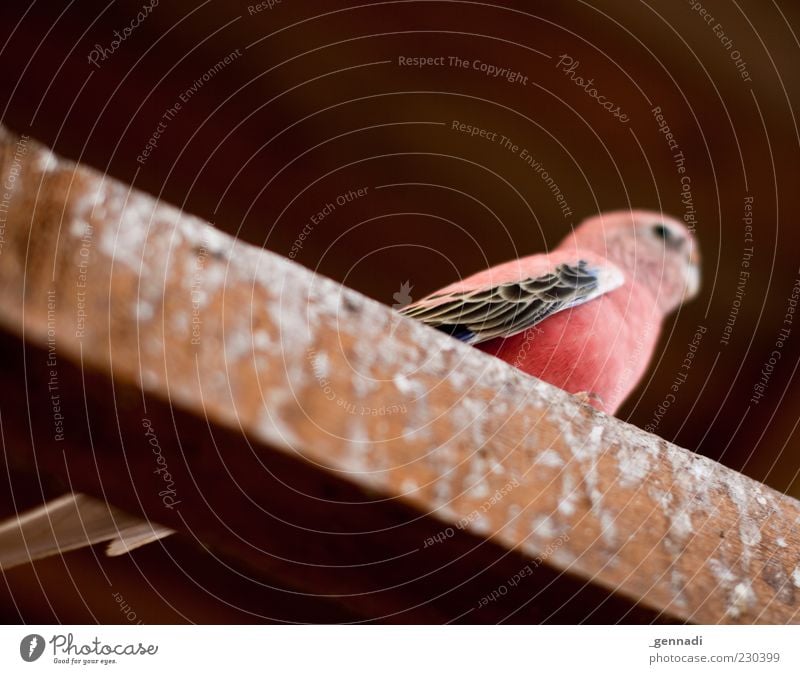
[{"x": 70, "y": 522}]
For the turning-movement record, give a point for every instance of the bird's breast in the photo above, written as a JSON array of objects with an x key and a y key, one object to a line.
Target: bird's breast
[{"x": 601, "y": 347}]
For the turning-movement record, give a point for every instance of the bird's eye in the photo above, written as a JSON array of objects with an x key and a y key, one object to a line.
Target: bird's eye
[
  {"x": 661, "y": 232},
  {"x": 671, "y": 239}
]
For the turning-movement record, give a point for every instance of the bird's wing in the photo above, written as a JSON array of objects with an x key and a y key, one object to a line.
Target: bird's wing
[
  {"x": 69, "y": 522},
  {"x": 512, "y": 297}
]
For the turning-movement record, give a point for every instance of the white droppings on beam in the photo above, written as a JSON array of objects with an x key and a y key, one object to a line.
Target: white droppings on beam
[
  {"x": 322, "y": 364},
  {"x": 79, "y": 228},
  {"x": 681, "y": 525},
  {"x": 497, "y": 467},
  {"x": 408, "y": 487},
  {"x": 469, "y": 415},
  {"x": 457, "y": 379},
  {"x": 742, "y": 494},
  {"x": 407, "y": 387},
  {"x": 544, "y": 526},
  {"x": 213, "y": 278},
  {"x": 687, "y": 495},
  {"x": 587, "y": 451},
  {"x": 261, "y": 340},
  {"x": 125, "y": 241},
  {"x": 295, "y": 330},
  {"x": 563, "y": 557},
  {"x": 144, "y": 310},
  {"x": 569, "y": 496},
  {"x": 724, "y": 575},
  {"x": 354, "y": 459},
  {"x": 548, "y": 459},
  {"x": 677, "y": 581},
  {"x": 217, "y": 243},
  {"x": 237, "y": 345},
  {"x": 364, "y": 386},
  {"x": 635, "y": 463},
  {"x": 270, "y": 424},
  {"x": 442, "y": 491},
  {"x": 479, "y": 525},
  {"x": 479, "y": 488},
  {"x": 741, "y": 599},
  {"x": 45, "y": 161}
]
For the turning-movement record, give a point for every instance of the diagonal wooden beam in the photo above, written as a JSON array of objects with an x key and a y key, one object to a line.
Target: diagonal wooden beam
[{"x": 313, "y": 436}]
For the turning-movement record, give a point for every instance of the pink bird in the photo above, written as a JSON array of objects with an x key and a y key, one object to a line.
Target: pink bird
[{"x": 585, "y": 317}]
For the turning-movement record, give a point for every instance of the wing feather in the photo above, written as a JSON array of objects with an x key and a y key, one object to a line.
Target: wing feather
[
  {"x": 482, "y": 308},
  {"x": 70, "y": 522}
]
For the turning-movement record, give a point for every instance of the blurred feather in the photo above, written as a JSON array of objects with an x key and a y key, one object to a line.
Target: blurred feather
[{"x": 70, "y": 522}]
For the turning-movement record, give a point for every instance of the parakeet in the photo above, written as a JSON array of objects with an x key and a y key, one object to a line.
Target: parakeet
[{"x": 585, "y": 317}]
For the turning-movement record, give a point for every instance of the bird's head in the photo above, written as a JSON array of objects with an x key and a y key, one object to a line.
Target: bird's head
[{"x": 652, "y": 249}]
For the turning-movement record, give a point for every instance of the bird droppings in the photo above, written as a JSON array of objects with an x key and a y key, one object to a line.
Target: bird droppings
[
  {"x": 479, "y": 490},
  {"x": 125, "y": 241},
  {"x": 442, "y": 491},
  {"x": 742, "y": 495},
  {"x": 567, "y": 504},
  {"x": 545, "y": 527},
  {"x": 587, "y": 451},
  {"x": 701, "y": 469},
  {"x": 741, "y": 599},
  {"x": 681, "y": 525},
  {"x": 548, "y": 459},
  {"x": 217, "y": 243},
  {"x": 45, "y": 161},
  {"x": 724, "y": 575},
  {"x": 471, "y": 414},
  {"x": 774, "y": 575},
  {"x": 322, "y": 365},
  {"x": 237, "y": 345},
  {"x": 409, "y": 487},
  {"x": 144, "y": 311},
  {"x": 660, "y": 498},
  {"x": 458, "y": 380},
  {"x": 272, "y": 426},
  {"x": 404, "y": 384},
  {"x": 498, "y": 468},
  {"x": 634, "y": 463},
  {"x": 678, "y": 585},
  {"x": 149, "y": 379},
  {"x": 212, "y": 278},
  {"x": 80, "y": 228},
  {"x": 479, "y": 525},
  {"x": 262, "y": 340}
]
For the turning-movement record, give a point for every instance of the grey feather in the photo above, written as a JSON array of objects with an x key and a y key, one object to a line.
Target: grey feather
[{"x": 509, "y": 308}]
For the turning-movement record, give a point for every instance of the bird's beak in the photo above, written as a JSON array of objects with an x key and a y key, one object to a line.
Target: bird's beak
[{"x": 692, "y": 275}]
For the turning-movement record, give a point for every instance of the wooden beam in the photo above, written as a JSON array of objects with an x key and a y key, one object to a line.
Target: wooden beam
[{"x": 316, "y": 437}]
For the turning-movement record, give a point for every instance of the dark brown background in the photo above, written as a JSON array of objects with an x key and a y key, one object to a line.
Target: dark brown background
[{"x": 308, "y": 113}]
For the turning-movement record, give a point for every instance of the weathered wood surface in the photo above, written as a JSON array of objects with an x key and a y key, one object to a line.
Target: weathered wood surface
[{"x": 320, "y": 439}]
